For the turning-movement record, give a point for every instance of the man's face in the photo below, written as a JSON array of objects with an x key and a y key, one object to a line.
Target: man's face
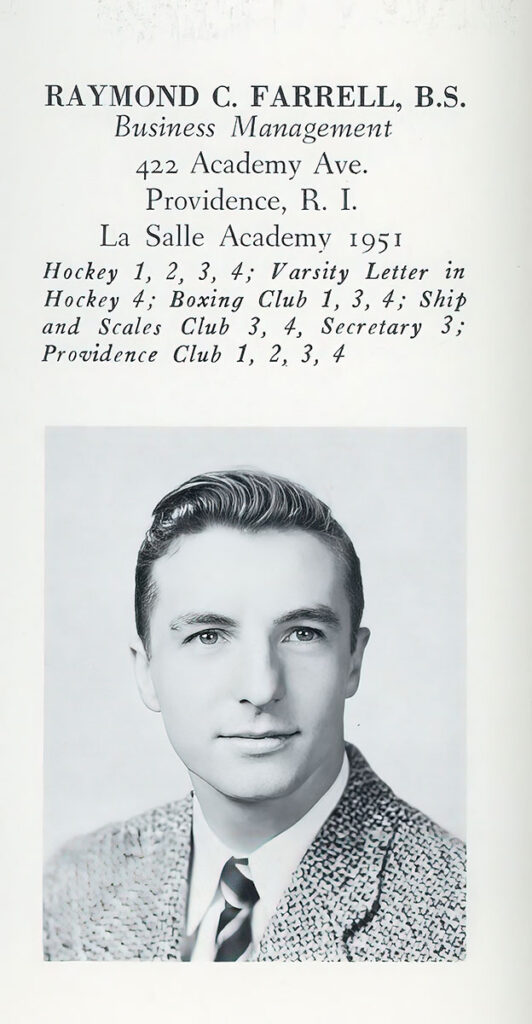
[{"x": 251, "y": 659}]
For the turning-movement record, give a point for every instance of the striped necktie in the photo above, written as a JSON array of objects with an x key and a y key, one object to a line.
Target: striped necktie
[{"x": 233, "y": 935}]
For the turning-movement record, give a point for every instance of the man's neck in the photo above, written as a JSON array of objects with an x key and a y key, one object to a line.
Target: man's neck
[{"x": 245, "y": 825}]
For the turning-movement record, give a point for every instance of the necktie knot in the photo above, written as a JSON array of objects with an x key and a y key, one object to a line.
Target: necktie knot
[
  {"x": 236, "y": 883},
  {"x": 233, "y": 935}
]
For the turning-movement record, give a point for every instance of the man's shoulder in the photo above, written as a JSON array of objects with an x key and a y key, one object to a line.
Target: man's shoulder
[
  {"x": 136, "y": 837},
  {"x": 102, "y": 890},
  {"x": 428, "y": 861},
  {"x": 415, "y": 838},
  {"x": 417, "y": 829}
]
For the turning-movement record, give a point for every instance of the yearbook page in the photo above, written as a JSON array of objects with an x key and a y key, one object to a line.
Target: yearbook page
[{"x": 265, "y": 420}]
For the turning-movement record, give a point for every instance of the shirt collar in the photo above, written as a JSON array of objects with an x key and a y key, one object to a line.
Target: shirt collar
[
  {"x": 271, "y": 865},
  {"x": 209, "y": 857}
]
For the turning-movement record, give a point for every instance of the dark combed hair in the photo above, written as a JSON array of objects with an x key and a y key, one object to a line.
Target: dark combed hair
[{"x": 249, "y": 501}]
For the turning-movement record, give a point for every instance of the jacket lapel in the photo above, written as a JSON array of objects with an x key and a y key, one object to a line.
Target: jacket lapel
[
  {"x": 335, "y": 890},
  {"x": 166, "y": 869}
]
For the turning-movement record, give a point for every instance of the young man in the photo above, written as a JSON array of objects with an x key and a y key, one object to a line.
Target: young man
[{"x": 248, "y": 608}]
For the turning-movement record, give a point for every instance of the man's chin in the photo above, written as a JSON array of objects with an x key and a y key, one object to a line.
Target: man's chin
[
  {"x": 255, "y": 783},
  {"x": 253, "y": 790}
]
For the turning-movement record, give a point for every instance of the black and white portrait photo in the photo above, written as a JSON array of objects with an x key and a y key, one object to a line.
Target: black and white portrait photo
[{"x": 255, "y": 696}]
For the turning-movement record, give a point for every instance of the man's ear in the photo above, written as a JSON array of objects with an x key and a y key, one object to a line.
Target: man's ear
[
  {"x": 141, "y": 666},
  {"x": 357, "y": 654}
]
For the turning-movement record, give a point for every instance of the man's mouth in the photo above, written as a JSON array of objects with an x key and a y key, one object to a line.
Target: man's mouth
[
  {"x": 256, "y": 743},
  {"x": 251, "y": 735}
]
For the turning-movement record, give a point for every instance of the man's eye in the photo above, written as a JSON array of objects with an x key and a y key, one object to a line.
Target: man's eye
[
  {"x": 303, "y": 634},
  {"x": 209, "y": 637}
]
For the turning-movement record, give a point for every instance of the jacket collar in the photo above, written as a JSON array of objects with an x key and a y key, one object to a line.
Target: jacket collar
[{"x": 335, "y": 888}]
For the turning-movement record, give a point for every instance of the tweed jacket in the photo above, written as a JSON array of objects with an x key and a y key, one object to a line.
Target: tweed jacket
[{"x": 380, "y": 882}]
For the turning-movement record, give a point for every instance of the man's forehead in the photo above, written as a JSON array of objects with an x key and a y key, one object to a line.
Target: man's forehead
[{"x": 226, "y": 560}]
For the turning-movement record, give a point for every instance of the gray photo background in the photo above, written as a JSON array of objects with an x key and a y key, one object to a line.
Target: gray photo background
[{"x": 400, "y": 494}]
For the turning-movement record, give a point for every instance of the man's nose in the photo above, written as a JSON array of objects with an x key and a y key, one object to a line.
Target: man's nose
[{"x": 261, "y": 678}]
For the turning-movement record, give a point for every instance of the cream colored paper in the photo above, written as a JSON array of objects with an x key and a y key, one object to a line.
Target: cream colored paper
[{"x": 455, "y": 183}]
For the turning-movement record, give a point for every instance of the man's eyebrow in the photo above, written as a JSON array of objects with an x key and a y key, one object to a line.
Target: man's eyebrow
[
  {"x": 202, "y": 619},
  {"x": 317, "y": 613}
]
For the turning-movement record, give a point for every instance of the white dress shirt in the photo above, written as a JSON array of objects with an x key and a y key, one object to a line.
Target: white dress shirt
[{"x": 271, "y": 867}]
